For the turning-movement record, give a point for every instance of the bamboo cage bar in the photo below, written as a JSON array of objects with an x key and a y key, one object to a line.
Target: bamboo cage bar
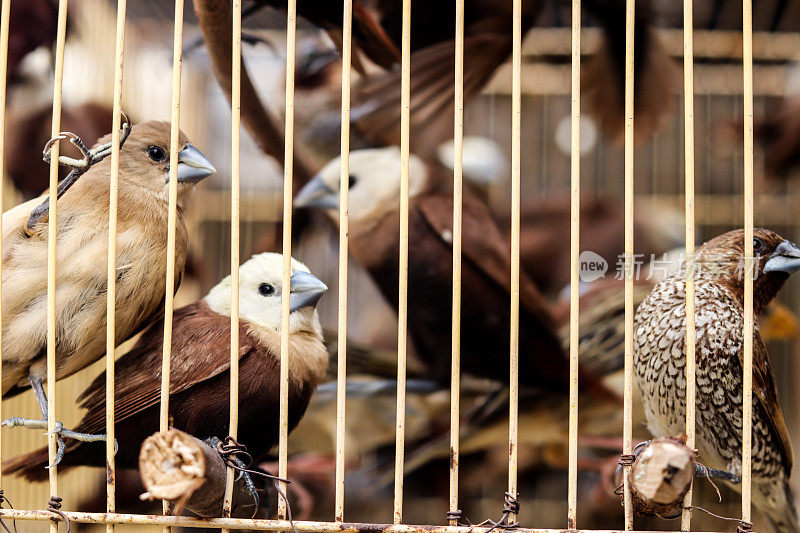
[
  {"x": 458, "y": 190},
  {"x": 627, "y": 422},
  {"x": 111, "y": 282},
  {"x": 574, "y": 320},
  {"x": 303, "y": 526},
  {"x": 688, "y": 99},
  {"x": 236, "y": 113},
  {"x": 344, "y": 225},
  {"x": 402, "y": 308},
  {"x": 747, "y": 382},
  {"x": 288, "y": 168},
  {"x": 58, "y": 78},
  {"x": 516, "y": 139},
  {"x": 177, "y": 59},
  {"x": 5, "y": 13}
]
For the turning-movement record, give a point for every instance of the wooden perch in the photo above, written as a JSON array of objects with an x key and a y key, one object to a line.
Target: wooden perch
[
  {"x": 661, "y": 476},
  {"x": 186, "y": 471}
]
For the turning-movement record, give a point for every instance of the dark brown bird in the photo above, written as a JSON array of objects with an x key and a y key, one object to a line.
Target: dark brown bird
[
  {"x": 660, "y": 362},
  {"x": 32, "y": 130},
  {"x": 199, "y": 381},
  {"x": 488, "y": 43},
  {"x": 82, "y": 241},
  {"x": 486, "y": 292}
]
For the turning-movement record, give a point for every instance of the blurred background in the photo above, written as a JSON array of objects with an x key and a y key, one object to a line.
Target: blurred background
[{"x": 659, "y": 199}]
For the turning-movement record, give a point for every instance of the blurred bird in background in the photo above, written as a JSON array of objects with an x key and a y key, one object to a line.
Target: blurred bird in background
[
  {"x": 199, "y": 380},
  {"x": 82, "y": 238},
  {"x": 659, "y": 355},
  {"x": 374, "y": 240}
]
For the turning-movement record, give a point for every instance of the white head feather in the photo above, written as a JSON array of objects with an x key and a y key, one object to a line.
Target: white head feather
[
  {"x": 375, "y": 180},
  {"x": 261, "y": 309}
]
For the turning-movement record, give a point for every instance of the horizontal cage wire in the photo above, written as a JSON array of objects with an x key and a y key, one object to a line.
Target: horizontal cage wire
[{"x": 534, "y": 298}]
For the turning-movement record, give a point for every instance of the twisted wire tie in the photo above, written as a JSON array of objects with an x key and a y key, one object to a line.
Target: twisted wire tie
[
  {"x": 54, "y": 506},
  {"x": 230, "y": 449}
]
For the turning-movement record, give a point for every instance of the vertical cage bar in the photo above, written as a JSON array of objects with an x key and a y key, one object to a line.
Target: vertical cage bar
[
  {"x": 688, "y": 101},
  {"x": 177, "y": 59},
  {"x": 516, "y": 132},
  {"x": 627, "y": 432},
  {"x": 236, "y": 113},
  {"x": 455, "y": 361},
  {"x": 575, "y": 199},
  {"x": 288, "y": 161},
  {"x": 402, "y": 301},
  {"x": 5, "y": 15},
  {"x": 111, "y": 282},
  {"x": 747, "y": 382},
  {"x": 58, "y": 78},
  {"x": 344, "y": 228}
]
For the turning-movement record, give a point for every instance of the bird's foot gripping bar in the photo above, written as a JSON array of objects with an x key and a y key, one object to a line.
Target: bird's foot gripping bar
[
  {"x": 78, "y": 166},
  {"x": 60, "y": 431}
]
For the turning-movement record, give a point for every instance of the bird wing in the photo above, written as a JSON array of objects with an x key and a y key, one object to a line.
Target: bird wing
[
  {"x": 767, "y": 395},
  {"x": 483, "y": 246},
  {"x": 200, "y": 351},
  {"x": 377, "y": 97}
]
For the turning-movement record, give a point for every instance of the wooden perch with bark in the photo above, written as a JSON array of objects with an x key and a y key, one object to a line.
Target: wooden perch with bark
[{"x": 188, "y": 472}]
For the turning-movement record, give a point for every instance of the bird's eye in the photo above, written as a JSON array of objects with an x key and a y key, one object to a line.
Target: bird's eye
[
  {"x": 265, "y": 289},
  {"x": 156, "y": 153},
  {"x": 351, "y": 181},
  {"x": 758, "y": 245}
]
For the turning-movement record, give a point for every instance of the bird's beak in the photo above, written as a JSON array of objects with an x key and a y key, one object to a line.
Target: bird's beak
[
  {"x": 786, "y": 258},
  {"x": 317, "y": 194},
  {"x": 305, "y": 290},
  {"x": 193, "y": 166}
]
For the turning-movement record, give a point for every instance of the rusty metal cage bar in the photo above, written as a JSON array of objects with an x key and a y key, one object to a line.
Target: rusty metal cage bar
[
  {"x": 175, "y": 112},
  {"x": 627, "y": 423},
  {"x": 51, "y": 256},
  {"x": 516, "y": 139},
  {"x": 747, "y": 381},
  {"x": 344, "y": 224},
  {"x": 458, "y": 186},
  {"x": 236, "y": 113},
  {"x": 402, "y": 309},
  {"x": 288, "y": 167},
  {"x": 574, "y": 306},
  {"x": 111, "y": 281},
  {"x": 688, "y": 90}
]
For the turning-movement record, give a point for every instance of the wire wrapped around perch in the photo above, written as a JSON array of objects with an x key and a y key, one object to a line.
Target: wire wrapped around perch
[{"x": 182, "y": 469}]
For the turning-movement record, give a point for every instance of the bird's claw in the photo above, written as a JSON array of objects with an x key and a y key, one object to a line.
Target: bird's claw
[
  {"x": 59, "y": 430},
  {"x": 90, "y": 157}
]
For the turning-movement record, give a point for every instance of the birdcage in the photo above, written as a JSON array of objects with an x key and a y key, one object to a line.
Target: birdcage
[{"x": 531, "y": 107}]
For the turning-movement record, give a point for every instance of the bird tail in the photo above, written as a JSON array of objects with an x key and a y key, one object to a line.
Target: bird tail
[
  {"x": 33, "y": 466},
  {"x": 774, "y": 498}
]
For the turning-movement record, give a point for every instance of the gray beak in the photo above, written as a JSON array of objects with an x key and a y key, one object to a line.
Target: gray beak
[
  {"x": 785, "y": 259},
  {"x": 317, "y": 194},
  {"x": 193, "y": 166},
  {"x": 305, "y": 290}
]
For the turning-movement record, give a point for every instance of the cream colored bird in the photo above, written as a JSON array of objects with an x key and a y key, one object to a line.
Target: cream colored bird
[{"x": 81, "y": 273}]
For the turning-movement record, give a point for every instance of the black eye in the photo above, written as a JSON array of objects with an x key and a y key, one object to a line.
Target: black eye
[
  {"x": 156, "y": 153},
  {"x": 351, "y": 181},
  {"x": 265, "y": 289},
  {"x": 758, "y": 245}
]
